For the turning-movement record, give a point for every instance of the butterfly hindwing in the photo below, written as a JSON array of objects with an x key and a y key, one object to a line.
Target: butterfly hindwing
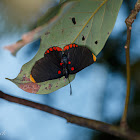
[
  {"x": 48, "y": 67},
  {"x": 79, "y": 57}
]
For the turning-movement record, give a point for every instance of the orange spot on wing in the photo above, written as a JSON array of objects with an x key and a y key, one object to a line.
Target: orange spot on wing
[
  {"x": 94, "y": 57},
  {"x": 76, "y": 45},
  {"x": 32, "y": 79}
]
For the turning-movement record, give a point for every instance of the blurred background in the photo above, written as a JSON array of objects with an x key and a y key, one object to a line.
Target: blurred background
[{"x": 98, "y": 90}]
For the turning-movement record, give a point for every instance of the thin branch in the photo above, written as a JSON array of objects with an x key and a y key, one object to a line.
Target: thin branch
[
  {"x": 124, "y": 117},
  {"x": 93, "y": 124},
  {"x": 129, "y": 21}
]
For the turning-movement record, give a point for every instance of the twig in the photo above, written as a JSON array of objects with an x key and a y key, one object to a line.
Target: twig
[
  {"x": 128, "y": 22},
  {"x": 93, "y": 124}
]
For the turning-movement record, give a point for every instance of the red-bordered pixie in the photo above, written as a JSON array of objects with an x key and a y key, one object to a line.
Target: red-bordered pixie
[{"x": 57, "y": 62}]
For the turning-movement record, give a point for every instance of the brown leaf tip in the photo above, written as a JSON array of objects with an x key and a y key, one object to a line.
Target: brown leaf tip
[
  {"x": 25, "y": 78},
  {"x": 30, "y": 87}
]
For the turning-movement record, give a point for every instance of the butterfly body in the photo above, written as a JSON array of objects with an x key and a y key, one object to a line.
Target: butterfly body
[
  {"x": 64, "y": 63},
  {"x": 57, "y": 62}
]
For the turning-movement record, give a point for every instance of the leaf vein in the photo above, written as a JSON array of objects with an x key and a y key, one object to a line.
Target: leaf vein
[{"x": 91, "y": 18}]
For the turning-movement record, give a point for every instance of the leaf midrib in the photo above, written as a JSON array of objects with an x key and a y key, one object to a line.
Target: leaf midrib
[{"x": 90, "y": 18}]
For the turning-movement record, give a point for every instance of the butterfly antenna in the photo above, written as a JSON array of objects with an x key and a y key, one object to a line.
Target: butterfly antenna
[{"x": 70, "y": 86}]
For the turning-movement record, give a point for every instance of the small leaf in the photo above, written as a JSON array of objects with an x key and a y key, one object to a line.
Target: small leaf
[{"x": 88, "y": 22}]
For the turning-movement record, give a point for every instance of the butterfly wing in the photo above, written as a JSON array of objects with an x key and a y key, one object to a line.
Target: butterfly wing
[
  {"x": 48, "y": 67},
  {"x": 79, "y": 57}
]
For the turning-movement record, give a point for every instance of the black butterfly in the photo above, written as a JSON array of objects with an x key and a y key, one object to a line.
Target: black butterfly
[{"x": 57, "y": 62}]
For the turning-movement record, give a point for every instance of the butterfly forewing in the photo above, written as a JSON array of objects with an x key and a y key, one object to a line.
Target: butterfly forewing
[
  {"x": 79, "y": 57},
  {"x": 48, "y": 67}
]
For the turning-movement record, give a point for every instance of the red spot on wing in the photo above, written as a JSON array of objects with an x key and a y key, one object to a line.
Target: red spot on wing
[
  {"x": 51, "y": 49},
  {"x": 47, "y": 51},
  {"x": 69, "y": 62},
  {"x": 74, "y": 45},
  {"x": 58, "y": 49},
  {"x": 70, "y": 45},
  {"x": 54, "y": 48},
  {"x": 61, "y": 64},
  {"x": 59, "y": 72},
  {"x": 72, "y": 68},
  {"x": 66, "y": 47}
]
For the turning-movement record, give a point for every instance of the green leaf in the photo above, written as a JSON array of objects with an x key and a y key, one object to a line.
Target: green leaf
[
  {"x": 94, "y": 21},
  {"x": 61, "y": 1}
]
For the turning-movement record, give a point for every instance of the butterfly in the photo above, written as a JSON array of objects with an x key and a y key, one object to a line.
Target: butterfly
[{"x": 57, "y": 62}]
